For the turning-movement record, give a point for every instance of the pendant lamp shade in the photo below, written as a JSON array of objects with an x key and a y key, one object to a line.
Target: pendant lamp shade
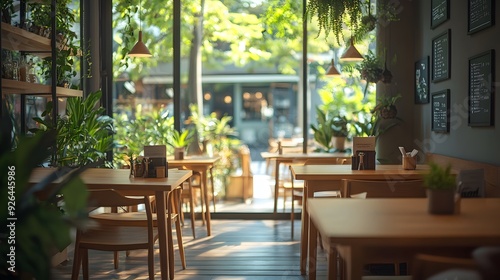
[
  {"x": 351, "y": 54},
  {"x": 332, "y": 71},
  {"x": 140, "y": 49}
]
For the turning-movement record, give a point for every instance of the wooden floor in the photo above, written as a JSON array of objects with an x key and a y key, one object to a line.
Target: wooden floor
[{"x": 237, "y": 249}]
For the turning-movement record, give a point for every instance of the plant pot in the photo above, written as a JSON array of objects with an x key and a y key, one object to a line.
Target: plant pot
[
  {"x": 339, "y": 143},
  {"x": 179, "y": 153},
  {"x": 441, "y": 202},
  {"x": 389, "y": 112}
]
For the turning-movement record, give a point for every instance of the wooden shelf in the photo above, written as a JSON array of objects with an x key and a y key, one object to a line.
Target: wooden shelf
[
  {"x": 17, "y": 39},
  {"x": 19, "y": 87}
]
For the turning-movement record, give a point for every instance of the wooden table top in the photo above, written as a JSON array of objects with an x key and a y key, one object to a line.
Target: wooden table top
[
  {"x": 405, "y": 222},
  {"x": 269, "y": 155},
  {"x": 338, "y": 172},
  {"x": 119, "y": 179}
]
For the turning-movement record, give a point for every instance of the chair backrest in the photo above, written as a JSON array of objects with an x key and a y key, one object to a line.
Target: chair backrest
[
  {"x": 112, "y": 198},
  {"x": 425, "y": 266},
  {"x": 173, "y": 201},
  {"x": 385, "y": 188}
]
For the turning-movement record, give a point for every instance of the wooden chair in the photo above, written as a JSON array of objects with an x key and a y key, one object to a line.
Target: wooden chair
[
  {"x": 488, "y": 260},
  {"x": 139, "y": 219},
  {"x": 296, "y": 188},
  {"x": 114, "y": 235},
  {"x": 384, "y": 189},
  {"x": 443, "y": 267}
]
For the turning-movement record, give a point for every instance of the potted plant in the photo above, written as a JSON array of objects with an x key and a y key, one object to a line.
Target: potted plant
[
  {"x": 441, "y": 189},
  {"x": 84, "y": 134},
  {"x": 386, "y": 107},
  {"x": 42, "y": 224},
  {"x": 340, "y": 132},
  {"x": 180, "y": 140},
  {"x": 330, "y": 130}
]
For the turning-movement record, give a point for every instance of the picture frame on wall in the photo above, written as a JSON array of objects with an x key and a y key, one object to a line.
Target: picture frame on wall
[
  {"x": 441, "y": 111},
  {"x": 440, "y": 12},
  {"x": 481, "y": 15},
  {"x": 481, "y": 89},
  {"x": 422, "y": 81},
  {"x": 441, "y": 56}
]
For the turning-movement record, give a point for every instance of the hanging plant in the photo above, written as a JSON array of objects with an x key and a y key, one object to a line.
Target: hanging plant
[
  {"x": 332, "y": 14},
  {"x": 386, "y": 107}
]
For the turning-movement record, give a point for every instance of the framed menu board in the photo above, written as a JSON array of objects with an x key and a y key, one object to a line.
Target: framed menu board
[
  {"x": 441, "y": 54},
  {"x": 439, "y": 12},
  {"x": 441, "y": 111},
  {"x": 481, "y": 87},
  {"x": 481, "y": 14}
]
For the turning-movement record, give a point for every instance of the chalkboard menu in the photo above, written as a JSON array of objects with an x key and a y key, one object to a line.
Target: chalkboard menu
[
  {"x": 441, "y": 111},
  {"x": 481, "y": 15},
  {"x": 441, "y": 53},
  {"x": 439, "y": 12},
  {"x": 481, "y": 86}
]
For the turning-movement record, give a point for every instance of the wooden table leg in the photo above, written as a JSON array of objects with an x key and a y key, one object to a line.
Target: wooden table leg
[
  {"x": 276, "y": 185},
  {"x": 204, "y": 180},
  {"x": 213, "y": 186},
  {"x": 305, "y": 231},
  {"x": 354, "y": 263},
  {"x": 162, "y": 232},
  {"x": 332, "y": 262},
  {"x": 313, "y": 250}
]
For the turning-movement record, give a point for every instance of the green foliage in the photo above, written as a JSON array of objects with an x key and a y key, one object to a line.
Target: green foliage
[
  {"x": 329, "y": 126},
  {"x": 371, "y": 68},
  {"x": 84, "y": 134},
  {"x": 439, "y": 178},
  {"x": 41, "y": 227},
  {"x": 142, "y": 129},
  {"x": 333, "y": 14},
  {"x": 182, "y": 139},
  {"x": 221, "y": 141},
  {"x": 323, "y": 132},
  {"x": 67, "y": 40},
  {"x": 386, "y": 106}
]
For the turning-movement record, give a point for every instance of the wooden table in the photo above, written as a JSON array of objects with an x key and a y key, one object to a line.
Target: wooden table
[
  {"x": 202, "y": 165},
  {"x": 118, "y": 179},
  {"x": 328, "y": 177},
  {"x": 294, "y": 157},
  {"x": 399, "y": 225}
]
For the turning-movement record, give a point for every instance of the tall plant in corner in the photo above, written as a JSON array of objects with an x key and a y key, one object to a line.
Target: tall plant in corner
[
  {"x": 40, "y": 226},
  {"x": 84, "y": 134}
]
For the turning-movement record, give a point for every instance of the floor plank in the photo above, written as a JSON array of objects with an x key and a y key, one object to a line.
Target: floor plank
[{"x": 237, "y": 249}]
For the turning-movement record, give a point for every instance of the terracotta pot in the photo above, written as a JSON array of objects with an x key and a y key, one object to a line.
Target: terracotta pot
[{"x": 441, "y": 202}]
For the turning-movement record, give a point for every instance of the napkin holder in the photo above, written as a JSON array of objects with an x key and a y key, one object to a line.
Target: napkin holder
[
  {"x": 158, "y": 167},
  {"x": 368, "y": 158},
  {"x": 409, "y": 163}
]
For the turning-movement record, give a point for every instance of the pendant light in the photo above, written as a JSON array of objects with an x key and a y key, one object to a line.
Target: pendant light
[
  {"x": 351, "y": 54},
  {"x": 332, "y": 71},
  {"x": 140, "y": 49}
]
